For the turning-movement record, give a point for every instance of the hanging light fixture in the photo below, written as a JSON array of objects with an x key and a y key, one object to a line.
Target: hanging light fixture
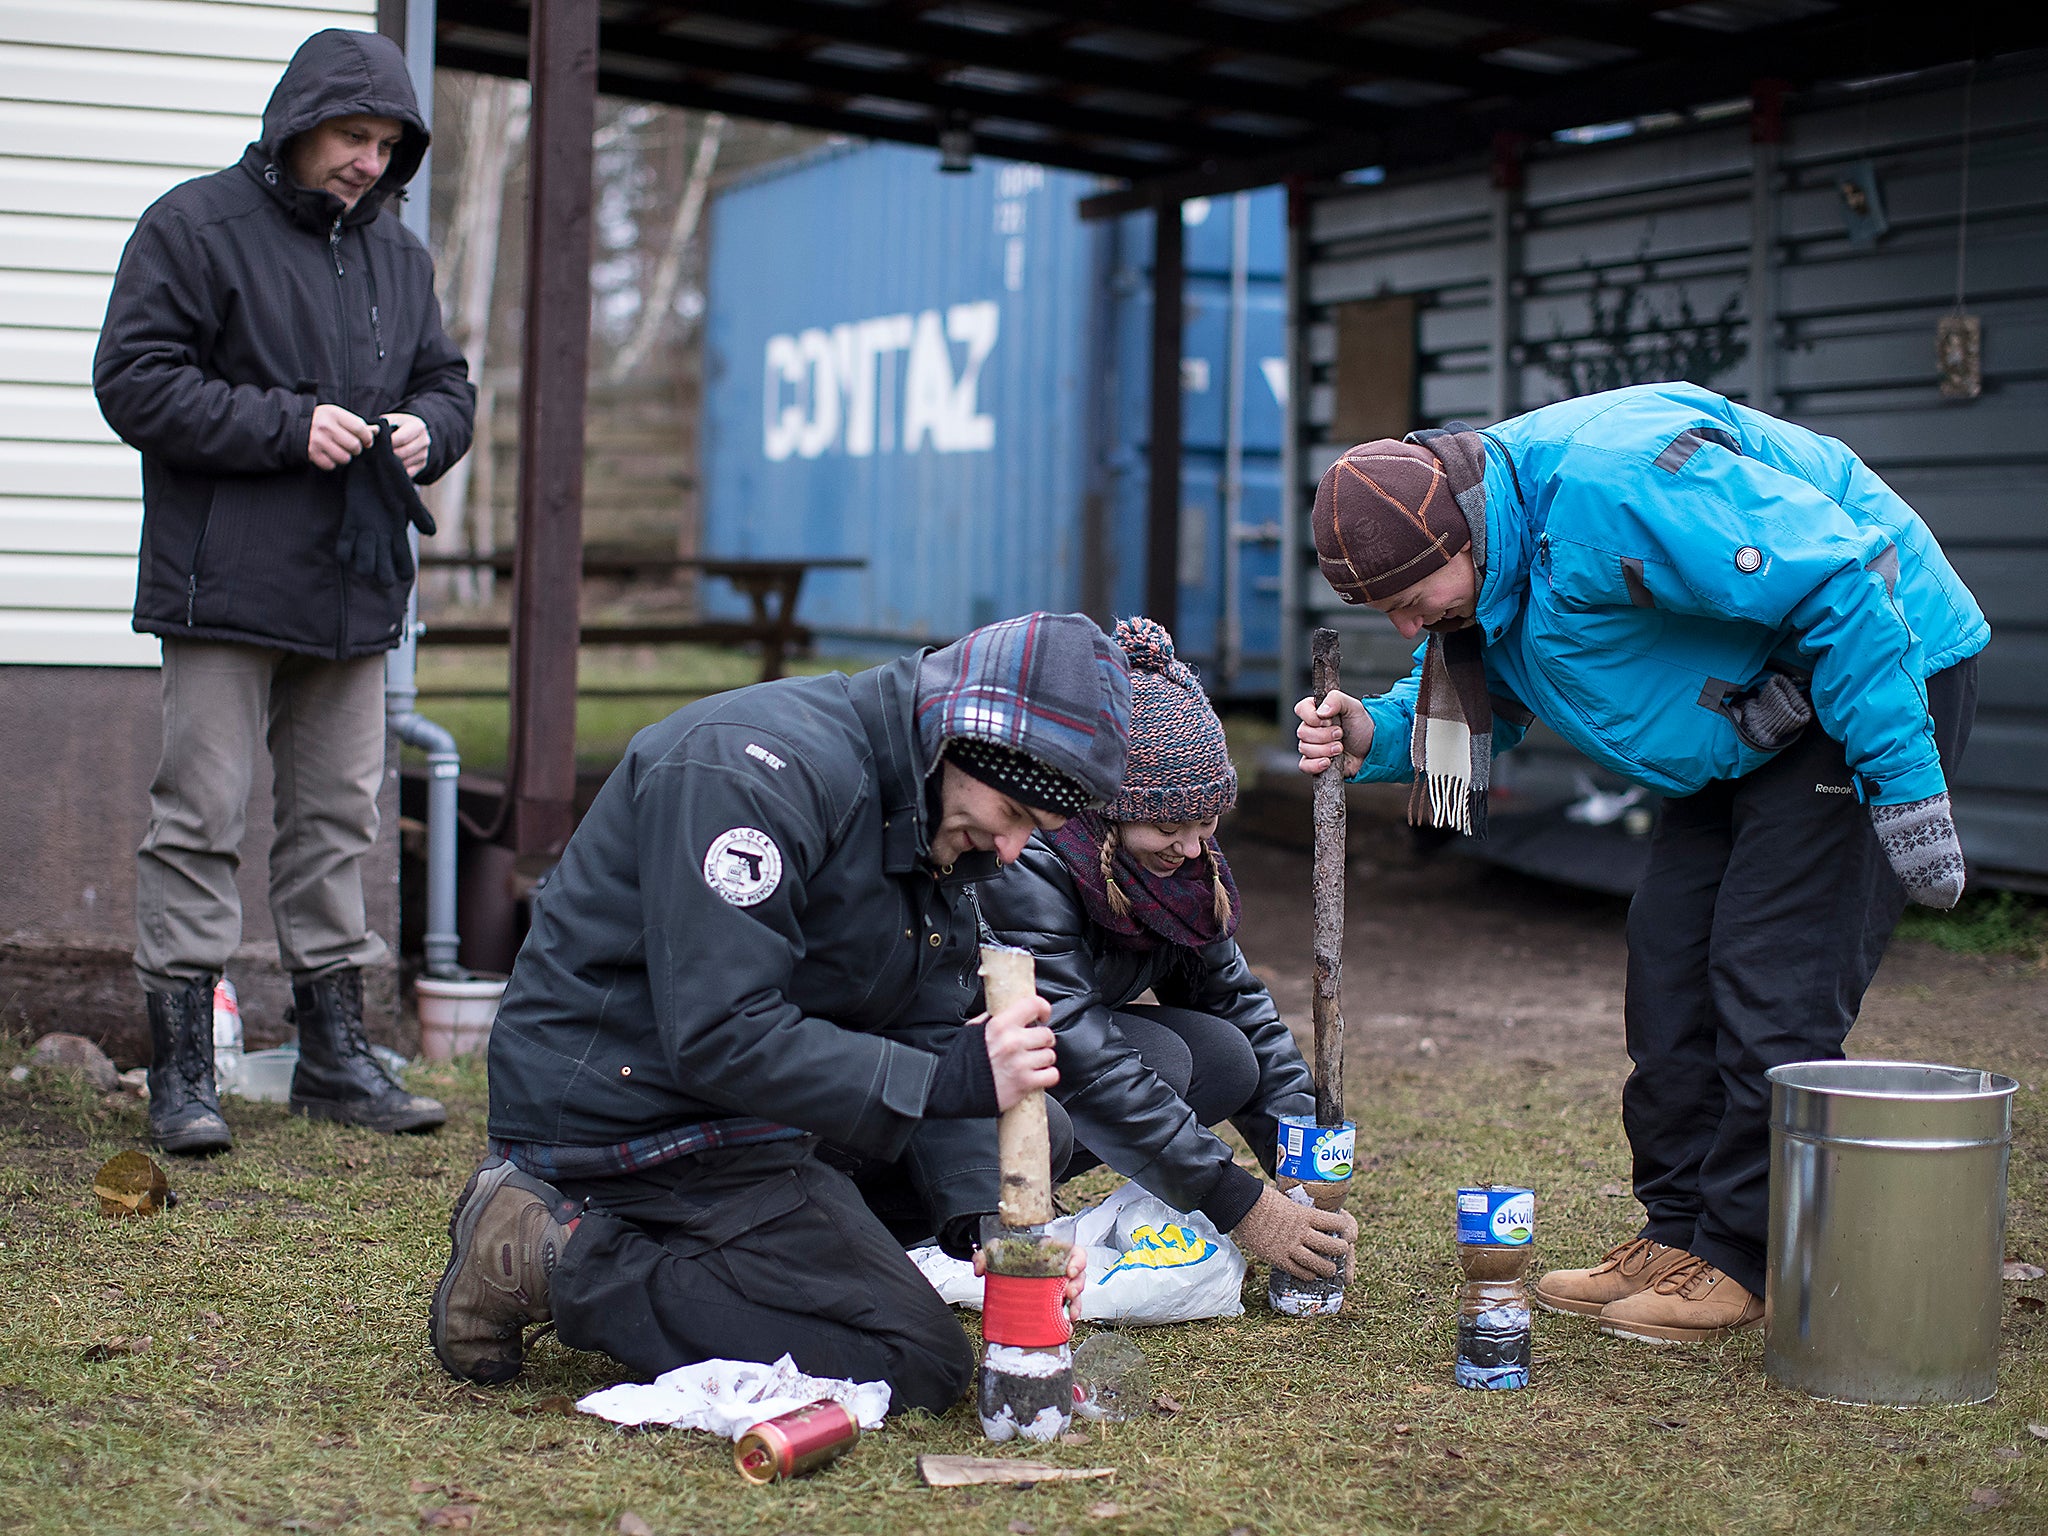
[{"x": 956, "y": 143}]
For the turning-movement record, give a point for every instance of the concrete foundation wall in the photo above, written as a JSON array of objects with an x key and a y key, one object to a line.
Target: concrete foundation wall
[{"x": 78, "y": 750}]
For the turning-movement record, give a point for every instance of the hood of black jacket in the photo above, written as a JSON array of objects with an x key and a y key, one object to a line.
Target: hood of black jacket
[{"x": 339, "y": 73}]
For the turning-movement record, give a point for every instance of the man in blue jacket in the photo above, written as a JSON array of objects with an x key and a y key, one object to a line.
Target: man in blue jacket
[{"x": 1738, "y": 614}]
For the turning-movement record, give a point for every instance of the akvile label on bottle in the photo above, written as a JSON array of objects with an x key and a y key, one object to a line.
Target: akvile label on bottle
[
  {"x": 1499, "y": 1215},
  {"x": 1316, "y": 1154}
]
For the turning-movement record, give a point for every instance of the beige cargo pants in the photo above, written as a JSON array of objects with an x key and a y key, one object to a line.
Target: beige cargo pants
[{"x": 322, "y": 723}]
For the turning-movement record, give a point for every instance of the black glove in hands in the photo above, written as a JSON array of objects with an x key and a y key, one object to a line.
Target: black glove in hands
[
  {"x": 378, "y": 501},
  {"x": 1920, "y": 842}
]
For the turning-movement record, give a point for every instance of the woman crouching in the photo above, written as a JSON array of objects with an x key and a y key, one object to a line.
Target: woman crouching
[{"x": 1136, "y": 897}]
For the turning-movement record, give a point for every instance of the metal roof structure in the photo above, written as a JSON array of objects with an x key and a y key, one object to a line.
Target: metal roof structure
[
  {"x": 1172, "y": 98},
  {"x": 1186, "y": 97}
]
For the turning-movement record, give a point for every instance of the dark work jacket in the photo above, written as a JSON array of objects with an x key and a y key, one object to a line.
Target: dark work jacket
[
  {"x": 816, "y": 994},
  {"x": 1122, "y": 1111},
  {"x": 242, "y": 301}
]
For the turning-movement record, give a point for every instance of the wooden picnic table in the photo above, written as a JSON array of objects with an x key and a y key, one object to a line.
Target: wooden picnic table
[{"x": 772, "y": 588}]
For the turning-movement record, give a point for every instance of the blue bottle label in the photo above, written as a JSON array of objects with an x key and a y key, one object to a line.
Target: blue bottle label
[
  {"x": 1316, "y": 1154},
  {"x": 1500, "y": 1215}
]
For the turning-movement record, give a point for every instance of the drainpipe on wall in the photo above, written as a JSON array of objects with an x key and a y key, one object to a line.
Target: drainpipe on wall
[{"x": 401, "y": 686}]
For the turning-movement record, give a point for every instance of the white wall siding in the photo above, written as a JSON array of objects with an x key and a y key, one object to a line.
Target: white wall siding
[{"x": 104, "y": 106}]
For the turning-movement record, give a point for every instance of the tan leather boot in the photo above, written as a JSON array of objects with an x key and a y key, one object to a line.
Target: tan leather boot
[
  {"x": 1692, "y": 1303},
  {"x": 1628, "y": 1267}
]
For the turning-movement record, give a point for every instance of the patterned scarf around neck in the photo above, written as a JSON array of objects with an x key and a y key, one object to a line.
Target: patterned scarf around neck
[
  {"x": 1452, "y": 747},
  {"x": 1177, "y": 909}
]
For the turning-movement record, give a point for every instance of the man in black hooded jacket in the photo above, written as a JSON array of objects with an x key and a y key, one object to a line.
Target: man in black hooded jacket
[{"x": 273, "y": 349}]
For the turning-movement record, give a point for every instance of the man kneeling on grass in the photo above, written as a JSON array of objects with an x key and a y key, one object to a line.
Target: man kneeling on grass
[{"x": 758, "y": 940}]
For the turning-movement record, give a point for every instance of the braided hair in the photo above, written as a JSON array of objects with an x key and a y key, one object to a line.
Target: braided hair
[{"x": 1119, "y": 903}]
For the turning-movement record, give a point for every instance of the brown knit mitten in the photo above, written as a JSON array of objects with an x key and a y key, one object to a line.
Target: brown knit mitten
[{"x": 1308, "y": 1243}]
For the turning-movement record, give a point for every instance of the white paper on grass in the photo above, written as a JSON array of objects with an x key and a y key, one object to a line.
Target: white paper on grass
[
  {"x": 1147, "y": 1263},
  {"x": 729, "y": 1397}
]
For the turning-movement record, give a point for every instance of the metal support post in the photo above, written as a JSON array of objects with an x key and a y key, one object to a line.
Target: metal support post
[
  {"x": 1230, "y": 634},
  {"x": 1162, "y": 515},
  {"x": 548, "y": 566},
  {"x": 1766, "y": 134},
  {"x": 1291, "y": 673},
  {"x": 1504, "y": 344}
]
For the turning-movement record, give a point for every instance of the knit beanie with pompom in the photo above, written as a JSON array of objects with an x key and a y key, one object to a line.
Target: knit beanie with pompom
[{"x": 1179, "y": 764}]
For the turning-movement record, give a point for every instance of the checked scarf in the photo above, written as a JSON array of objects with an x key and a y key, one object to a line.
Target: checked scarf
[
  {"x": 1177, "y": 909},
  {"x": 1452, "y": 747}
]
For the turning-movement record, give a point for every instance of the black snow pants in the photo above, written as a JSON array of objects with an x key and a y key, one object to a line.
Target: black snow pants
[
  {"x": 750, "y": 1253},
  {"x": 1759, "y": 923}
]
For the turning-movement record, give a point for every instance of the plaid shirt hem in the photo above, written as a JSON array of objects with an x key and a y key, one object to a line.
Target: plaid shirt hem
[{"x": 555, "y": 1164}]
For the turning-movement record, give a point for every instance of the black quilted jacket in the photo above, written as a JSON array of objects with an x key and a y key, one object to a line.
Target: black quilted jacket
[{"x": 241, "y": 302}]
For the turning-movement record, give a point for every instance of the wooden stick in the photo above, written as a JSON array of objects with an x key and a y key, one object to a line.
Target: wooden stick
[
  {"x": 1024, "y": 1146},
  {"x": 965, "y": 1471},
  {"x": 1327, "y": 888}
]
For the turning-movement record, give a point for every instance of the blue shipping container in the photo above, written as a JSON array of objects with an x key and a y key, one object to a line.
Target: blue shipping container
[{"x": 946, "y": 377}]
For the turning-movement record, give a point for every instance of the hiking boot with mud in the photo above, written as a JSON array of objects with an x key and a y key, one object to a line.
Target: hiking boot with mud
[{"x": 505, "y": 1238}]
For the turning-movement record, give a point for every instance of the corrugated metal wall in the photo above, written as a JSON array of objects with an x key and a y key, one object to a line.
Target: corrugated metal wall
[
  {"x": 896, "y": 368},
  {"x": 104, "y": 105},
  {"x": 1705, "y": 216}
]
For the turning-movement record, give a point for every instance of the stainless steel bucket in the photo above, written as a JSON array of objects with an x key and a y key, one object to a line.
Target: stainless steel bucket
[{"x": 1887, "y": 1230}]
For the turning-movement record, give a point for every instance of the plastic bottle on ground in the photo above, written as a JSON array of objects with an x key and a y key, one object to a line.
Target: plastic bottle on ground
[
  {"x": 1496, "y": 1229},
  {"x": 227, "y": 1036}
]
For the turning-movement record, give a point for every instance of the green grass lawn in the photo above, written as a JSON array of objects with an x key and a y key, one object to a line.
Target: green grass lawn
[{"x": 289, "y": 1385}]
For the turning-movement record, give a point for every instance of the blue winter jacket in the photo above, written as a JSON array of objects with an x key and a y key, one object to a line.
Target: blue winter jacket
[{"x": 1652, "y": 552}]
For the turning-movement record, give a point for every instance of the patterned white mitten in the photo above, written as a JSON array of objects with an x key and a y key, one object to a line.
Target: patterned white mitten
[{"x": 1920, "y": 841}]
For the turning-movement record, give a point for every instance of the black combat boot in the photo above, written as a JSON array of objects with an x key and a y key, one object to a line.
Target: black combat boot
[
  {"x": 337, "y": 1077},
  {"x": 184, "y": 1110}
]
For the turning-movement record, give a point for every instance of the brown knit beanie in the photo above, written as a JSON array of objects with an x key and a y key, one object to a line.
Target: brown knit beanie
[
  {"x": 1385, "y": 518},
  {"x": 1179, "y": 765}
]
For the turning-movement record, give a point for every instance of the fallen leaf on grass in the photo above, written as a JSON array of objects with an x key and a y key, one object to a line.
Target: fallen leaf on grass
[
  {"x": 2008, "y": 1453},
  {"x": 212, "y": 1319},
  {"x": 1420, "y": 1387},
  {"x": 1106, "y": 1510},
  {"x": 1674, "y": 1425},
  {"x": 114, "y": 1348},
  {"x": 1404, "y": 1429},
  {"x": 1614, "y": 1191},
  {"x": 448, "y": 1517},
  {"x": 1986, "y": 1498},
  {"x": 1454, "y": 1453},
  {"x": 630, "y": 1524},
  {"x": 129, "y": 1184},
  {"x": 1073, "y": 1437},
  {"x": 1166, "y": 1405},
  {"x": 2020, "y": 1269},
  {"x": 2038, "y": 1431},
  {"x": 555, "y": 1404}
]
